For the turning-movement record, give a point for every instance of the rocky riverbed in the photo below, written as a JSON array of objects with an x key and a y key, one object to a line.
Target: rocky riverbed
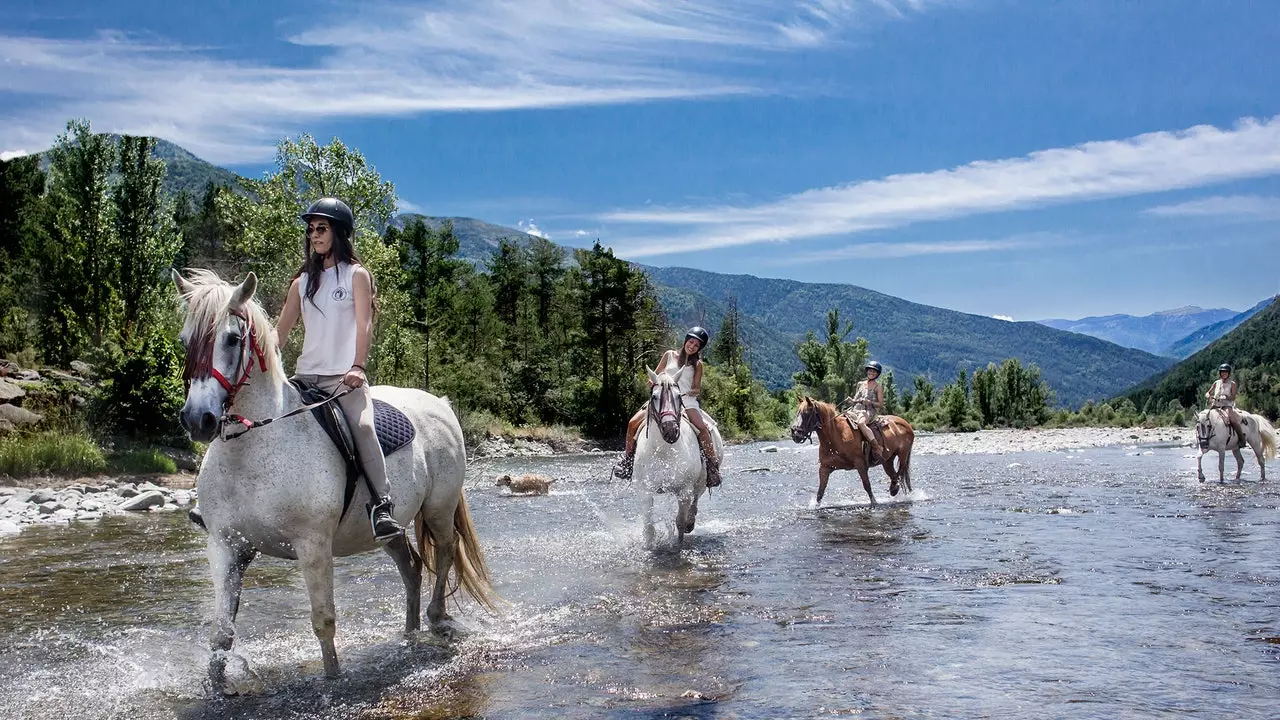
[{"x": 60, "y": 500}]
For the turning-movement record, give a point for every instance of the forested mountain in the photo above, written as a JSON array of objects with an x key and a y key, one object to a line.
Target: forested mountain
[
  {"x": 1184, "y": 347},
  {"x": 1154, "y": 333},
  {"x": 184, "y": 172},
  {"x": 1253, "y": 348}
]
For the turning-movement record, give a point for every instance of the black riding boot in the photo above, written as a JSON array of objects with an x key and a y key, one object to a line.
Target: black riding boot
[
  {"x": 623, "y": 469},
  {"x": 384, "y": 525}
]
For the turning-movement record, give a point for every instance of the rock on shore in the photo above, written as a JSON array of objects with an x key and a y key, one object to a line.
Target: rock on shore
[
  {"x": 20, "y": 507},
  {"x": 1002, "y": 441}
]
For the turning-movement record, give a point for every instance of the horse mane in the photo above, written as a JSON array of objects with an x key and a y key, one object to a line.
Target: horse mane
[{"x": 207, "y": 299}]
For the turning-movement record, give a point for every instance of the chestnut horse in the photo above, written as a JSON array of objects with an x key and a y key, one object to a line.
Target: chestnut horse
[{"x": 840, "y": 445}]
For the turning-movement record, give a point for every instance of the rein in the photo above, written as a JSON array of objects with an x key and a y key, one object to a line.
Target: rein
[
  {"x": 656, "y": 414},
  {"x": 249, "y": 348}
]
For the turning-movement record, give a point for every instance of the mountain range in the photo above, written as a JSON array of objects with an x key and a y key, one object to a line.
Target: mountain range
[
  {"x": 1155, "y": 333},
  {"x": 910, "y": 338},
  {"x": 1201, "y": 338}
]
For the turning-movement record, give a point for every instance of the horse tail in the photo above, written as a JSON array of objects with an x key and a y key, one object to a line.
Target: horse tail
[
  {"x": 1267, "y": 434},
  {"x": 468, "y": 559}
]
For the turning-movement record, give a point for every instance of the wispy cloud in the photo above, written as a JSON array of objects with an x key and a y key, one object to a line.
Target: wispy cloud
[
  {"x": 1232, "y": 207},
  {"x": 529, "y": 227},
  {"x": 1006, "y": 318},
  {"x": 402, "y": 58},
  {"x": 871, "y": 251},
  {"x": 1148, "y": 163},
  {"x": 11, "y": 154}
]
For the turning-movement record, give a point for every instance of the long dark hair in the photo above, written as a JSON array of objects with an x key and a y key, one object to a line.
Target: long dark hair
[{"x": 342, "y": 250}]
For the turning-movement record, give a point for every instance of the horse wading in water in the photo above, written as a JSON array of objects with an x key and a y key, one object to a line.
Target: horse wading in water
[
  {"x": 1215, "y": 433},
  {"x": 279, "y": 489},
  {"x": 840, "y": 446},
  {"x": 668, "y": 457}
]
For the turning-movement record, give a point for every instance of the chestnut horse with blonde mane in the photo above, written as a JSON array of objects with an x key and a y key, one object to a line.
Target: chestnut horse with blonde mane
[{"x": 840, "y": 445}]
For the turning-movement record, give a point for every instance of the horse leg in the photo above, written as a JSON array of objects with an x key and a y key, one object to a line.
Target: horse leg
[
  {"x": 228, "y": 561},
  {"x": 1222, "y": 461},
  {"x": 446, "y": 542},
  {"x": 824, "y": 474},
  {"x": 904, "y": 467},
  {"x": 894, "y": 476},
  {"x": 410, "y": 566},
  {"x": 1200, "y": 465},
  {"x": 316, "y": 561},
  {"x": 1239, "y": 462},
  {"x": 647, "y": 513},
  {"x": 866, "y": 484}
]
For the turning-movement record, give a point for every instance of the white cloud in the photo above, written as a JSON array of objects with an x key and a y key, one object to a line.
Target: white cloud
[
  {"x": 581, "y": 233},
  {"x": 405, "y": 206},
  {"x": 406, "y": 57},
  {"x": 529, "y": 227},
  {"x": 1006, "y": 318},
  {"x": 1235, "y": 207},
  {"x": 1148, "y": 163},
  {"x": 6, "y": 155},
  {"x": 884, "y": 250}
]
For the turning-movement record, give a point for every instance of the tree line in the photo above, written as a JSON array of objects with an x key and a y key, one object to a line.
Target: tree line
[{"x": 535, "y": 335}]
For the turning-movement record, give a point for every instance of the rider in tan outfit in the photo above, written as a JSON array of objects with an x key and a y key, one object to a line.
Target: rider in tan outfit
[
  {"x": 1222, "y": 396},
  {"x": 867, "y": 400}
]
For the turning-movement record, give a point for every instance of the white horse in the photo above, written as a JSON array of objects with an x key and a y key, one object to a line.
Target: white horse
[
  {"x": 1214, "y": 433},
  {"x": 668, "y": 455},
  {"x": 279, "y": 489}
]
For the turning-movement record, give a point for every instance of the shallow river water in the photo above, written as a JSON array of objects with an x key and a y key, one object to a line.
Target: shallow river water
[{"x": 1094, "y": 584}]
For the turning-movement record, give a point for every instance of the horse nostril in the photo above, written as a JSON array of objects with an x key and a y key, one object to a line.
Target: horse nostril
[{"x": 208, "y": 422}]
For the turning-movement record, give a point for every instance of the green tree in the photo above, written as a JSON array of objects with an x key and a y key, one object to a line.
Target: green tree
[
  {"x": 832, "y": 369},
  {"x": 891, "y": 401},
  {"x": 140, "y": 219},
  {"x": 429, "y": 270},
  {"x": 727, "y": 348},
  {"x": 509, "y": 276},
  {"x": 22, "y": 208},
  {"x": 76, "y": 263}
]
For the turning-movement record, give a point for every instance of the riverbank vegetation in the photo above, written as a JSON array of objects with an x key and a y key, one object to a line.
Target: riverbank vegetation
[{"x": 538, "y": 341}]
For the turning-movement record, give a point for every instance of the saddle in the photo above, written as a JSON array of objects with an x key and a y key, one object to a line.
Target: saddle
[
  {"x": 1231, "y": 429},
  {"x": 877, "y": 425},
  {"x": 393, "y": 429}
]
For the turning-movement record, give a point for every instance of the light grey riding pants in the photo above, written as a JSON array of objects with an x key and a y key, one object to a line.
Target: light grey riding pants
[{"x": 357, "y": 406}]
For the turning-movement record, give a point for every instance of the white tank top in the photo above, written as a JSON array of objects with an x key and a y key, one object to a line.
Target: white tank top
[
  {"x": 329, "y": 344},
  {"x": 685, "y": 382}
]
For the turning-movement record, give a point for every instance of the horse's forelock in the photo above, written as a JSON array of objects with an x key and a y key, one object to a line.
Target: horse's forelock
[{"x": 208, "y": 300}]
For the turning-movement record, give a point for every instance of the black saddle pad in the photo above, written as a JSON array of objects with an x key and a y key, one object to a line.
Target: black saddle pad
[{"x": 393, "y": 428}]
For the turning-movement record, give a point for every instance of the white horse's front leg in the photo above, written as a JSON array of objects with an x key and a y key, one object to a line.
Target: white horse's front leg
[
  {"x": 647, "y": 515},
  {"x": 228, "y": 561},
  {"x": 316, "y": 561},
  {"x": 1239, "y": 462},
  {"x": 1200, "y": 465}
]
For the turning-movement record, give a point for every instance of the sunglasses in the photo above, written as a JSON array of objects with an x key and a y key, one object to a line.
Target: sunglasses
[{"x": 317, "y": 229}]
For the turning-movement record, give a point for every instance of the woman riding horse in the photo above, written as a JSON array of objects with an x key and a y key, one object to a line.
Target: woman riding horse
[
  {"x": 695, "y": 341},
  {"x": 867, "y": 399},
  {"x": 1222, "y": 397}
]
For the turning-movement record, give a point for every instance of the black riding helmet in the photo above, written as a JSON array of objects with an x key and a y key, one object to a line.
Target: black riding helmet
[
  {"x": 873, "y": 365},
  {"x": 699, "y": 334},
  {"x": 332, "y": 208},
  {"x": 1226, "y": 367}
]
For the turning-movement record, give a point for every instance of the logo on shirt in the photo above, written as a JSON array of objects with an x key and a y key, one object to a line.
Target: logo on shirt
[{"x": 339, "y": 294}]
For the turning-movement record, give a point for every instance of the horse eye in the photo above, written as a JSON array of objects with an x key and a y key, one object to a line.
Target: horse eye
[{"x": 232, "y": 340}]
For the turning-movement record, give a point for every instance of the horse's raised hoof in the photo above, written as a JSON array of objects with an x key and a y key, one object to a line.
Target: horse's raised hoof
[
  {"x": 450, "y": 629},
  {"x": 893, "y": 488}
]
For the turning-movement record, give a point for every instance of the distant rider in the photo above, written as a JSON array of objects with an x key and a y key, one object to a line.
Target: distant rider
[
  {"x": 867, "y": 401},
  {"x": 695, "y": 341},
  {"x": 1222, "y": 396}
]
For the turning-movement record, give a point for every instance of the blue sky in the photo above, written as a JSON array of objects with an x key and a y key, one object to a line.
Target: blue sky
[{"x": 1024, "y": 158}]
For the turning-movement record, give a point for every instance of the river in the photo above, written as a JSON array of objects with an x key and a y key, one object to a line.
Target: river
[{"x": 1096, "y": 584}]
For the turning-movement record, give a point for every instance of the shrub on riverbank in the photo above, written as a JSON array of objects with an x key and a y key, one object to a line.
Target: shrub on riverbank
[{"x": 50, "y": 453}]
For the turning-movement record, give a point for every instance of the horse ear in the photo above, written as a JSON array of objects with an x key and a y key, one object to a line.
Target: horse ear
[
  {"x": 244, "y": 291},
  {"x": 653, "y": 376},
  {"x": 184, "y": 288}
]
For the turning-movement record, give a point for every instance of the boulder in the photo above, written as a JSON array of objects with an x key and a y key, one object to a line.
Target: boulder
[
  {"x": 145, "y": 501},
  {"x": 27, "y": 376},
  {"x": 42, "y": 496},
  {"x": 18, "y": 417},
  {"x": 9, "y": 527},
  {"x": 49, "y": 508},
  {"x": 127, "y": 491},
  {"x": 64, "y": 514},
  {"x": 83, "y": 368},
  {"x": 10, "y": 391}
]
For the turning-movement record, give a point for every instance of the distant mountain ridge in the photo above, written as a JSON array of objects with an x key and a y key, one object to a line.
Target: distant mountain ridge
[
  {"x": 910, "y": 338},
  {"x": 184, "y": 172},
  {"x": 1201, "y": 338},
  {"x": 1154, "y": 333}
]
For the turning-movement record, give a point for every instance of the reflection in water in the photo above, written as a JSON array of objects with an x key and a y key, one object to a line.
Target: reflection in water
[{"x": 1045, "y": 586}]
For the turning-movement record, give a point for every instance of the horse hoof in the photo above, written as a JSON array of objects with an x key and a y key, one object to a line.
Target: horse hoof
[
  {"x": 893, "y": 489},
  {"x": 450, "y": 629}
]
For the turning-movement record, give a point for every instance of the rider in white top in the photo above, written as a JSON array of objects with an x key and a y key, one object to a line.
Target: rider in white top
[
  {"x": 690, "y": 385},
  {"x": 1222, "y": 396},
  {"x": 334, "y": 294}
]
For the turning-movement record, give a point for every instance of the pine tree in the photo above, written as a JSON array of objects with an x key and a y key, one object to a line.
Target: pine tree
[{"x": 139, "y": 215}]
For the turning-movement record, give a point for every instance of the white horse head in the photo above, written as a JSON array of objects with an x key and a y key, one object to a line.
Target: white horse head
[
  {"x": 225, "y": 332},
  {"x": 666, "y": 404}
]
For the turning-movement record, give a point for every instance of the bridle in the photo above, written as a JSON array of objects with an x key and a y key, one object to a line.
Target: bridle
[
  {"x": 249, "y": 348},
  {"x": 810, "y": 422},
  {"x": 670, "y": 405}
]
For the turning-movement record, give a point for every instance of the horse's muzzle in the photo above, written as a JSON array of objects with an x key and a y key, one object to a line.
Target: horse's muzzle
[
  {"x": 798, "y": 435},
  {"x": 200, "y": 426},
  {"x": 670, "y": 430}
]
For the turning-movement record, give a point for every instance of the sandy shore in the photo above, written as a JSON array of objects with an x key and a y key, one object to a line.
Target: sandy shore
[{"x": 1041, "y": 440}]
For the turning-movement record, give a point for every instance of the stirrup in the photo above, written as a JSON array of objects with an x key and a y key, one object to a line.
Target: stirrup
[{"x": 383, "y": 524}]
